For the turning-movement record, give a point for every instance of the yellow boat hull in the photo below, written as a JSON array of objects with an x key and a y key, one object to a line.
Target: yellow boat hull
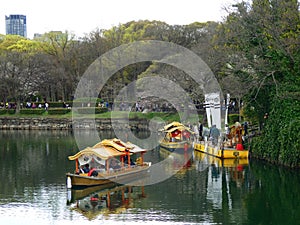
[{"x": 226, "y": 153}]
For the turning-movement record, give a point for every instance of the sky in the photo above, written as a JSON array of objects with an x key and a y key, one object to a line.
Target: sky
[{"x": 82, "y": 17}]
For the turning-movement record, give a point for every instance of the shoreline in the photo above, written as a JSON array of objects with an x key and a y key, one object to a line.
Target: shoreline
[{"x": 23, "y": 123}]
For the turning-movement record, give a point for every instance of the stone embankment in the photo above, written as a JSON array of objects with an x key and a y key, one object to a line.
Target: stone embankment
[{"x": 7, "y": 123}]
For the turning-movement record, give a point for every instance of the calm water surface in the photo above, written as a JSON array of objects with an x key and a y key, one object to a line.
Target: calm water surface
[{"x": 205, "y": 191}]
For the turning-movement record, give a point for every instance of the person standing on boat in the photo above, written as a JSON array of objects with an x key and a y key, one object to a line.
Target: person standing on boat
[
  {"x": 200, "y": 127},
  {"x": 214, "y": 134},
  {"x": 196, "y": 132}
]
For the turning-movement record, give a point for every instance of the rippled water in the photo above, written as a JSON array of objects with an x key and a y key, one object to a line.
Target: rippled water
[{"x": 33, "y": 190}]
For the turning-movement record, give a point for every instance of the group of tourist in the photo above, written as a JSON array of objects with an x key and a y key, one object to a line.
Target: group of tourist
[
  {"x": 28, "y": 105},
  {"x": 33, "y": 105}
]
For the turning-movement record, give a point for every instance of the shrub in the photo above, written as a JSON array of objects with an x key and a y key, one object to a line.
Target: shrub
[
  {"x": 55, "y": 104},
  {"x": 11, "y": 111},
  {"x": 83, "y": 102},
  {"x": 32, "y": 111},
  {"x": 58, "y": 111},
  {"x": 3, "y": 111},
  {"x": 92, "y": 110}
]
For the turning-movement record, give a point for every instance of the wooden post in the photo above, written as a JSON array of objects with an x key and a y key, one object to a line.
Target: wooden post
[
  {"x": 108, "y": 199},
  {"x": 123, "y": 195},
  {"x": 77, "y": 166},
  {"x": 142, "y": 157},
  {"x": 128, "y": 159},
  {"x": 122, "y": 162}
]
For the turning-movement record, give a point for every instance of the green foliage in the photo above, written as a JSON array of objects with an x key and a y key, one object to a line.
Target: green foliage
[
  {"x": 258, "y": 102},
  {"x": 280, "y": 139},
  {"x": 11, "y": 111},
  {"x": 54, "y": 104},
  {"x": 262, "y": 40},
  {"x": 232, "y": 118},
  {"x": 92, "y": 110},
  {"x": 83, "y": 102},
  {"x": 7, "y": 111},
  {"x": 32, "y": 111},
  {"x": 58, "y": 111},
  {"x": 3, "y": 111}
]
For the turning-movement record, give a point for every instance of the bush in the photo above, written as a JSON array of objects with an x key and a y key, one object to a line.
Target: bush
[
  {"x": 32, "y": 111},
  {"x": 3, "y": 111},
  {"x": 279, "y": 142},
  {"x": 83, "y": 102},
  {"x": 11, "y": 111},
  {"x": 92, "y": 110},
  {"x": 58, "y": 111},
  {"x": 55, "y": 104}
]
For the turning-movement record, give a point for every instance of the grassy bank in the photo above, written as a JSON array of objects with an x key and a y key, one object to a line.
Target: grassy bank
[{"x": 107, "y": 115}]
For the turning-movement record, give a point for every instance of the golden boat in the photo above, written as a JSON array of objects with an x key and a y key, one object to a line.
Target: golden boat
[
  {"x": 221, "y": 152},
  {"x": 229, "y": 149},
  {"x": 177, "y": 137},
  {"x": 109, "y": 161}
]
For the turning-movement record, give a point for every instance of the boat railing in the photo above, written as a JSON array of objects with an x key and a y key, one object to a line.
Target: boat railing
[{"x": 122, "y": 169}]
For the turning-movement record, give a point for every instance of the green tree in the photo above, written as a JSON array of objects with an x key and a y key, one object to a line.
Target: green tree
[{"x": 263, "y": 39}]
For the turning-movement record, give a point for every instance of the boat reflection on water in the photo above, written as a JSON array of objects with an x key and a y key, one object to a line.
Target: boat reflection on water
[
  {"x": 226, "y": 177},
  {"x": 112, "y": 199},
  {"x": 235, "y": 166},
  {"x": 176, "y": 163}
]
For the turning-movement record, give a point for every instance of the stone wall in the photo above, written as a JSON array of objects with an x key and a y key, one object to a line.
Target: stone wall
[{"x": 7, "y": 123}]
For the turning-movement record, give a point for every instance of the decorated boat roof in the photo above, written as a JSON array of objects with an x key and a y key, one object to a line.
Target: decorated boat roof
[
  {"x": 108, "y": 148},
  {"x": 171, "y": 127},
  {"x": 173, "y": 124}
]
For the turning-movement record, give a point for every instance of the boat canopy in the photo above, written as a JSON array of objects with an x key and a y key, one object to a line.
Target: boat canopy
[
  {"x": 172, "y": 127},
  {"x": 135, "y": 149},
  {"x": 181, "y": 128},
  {"x": 101, "y": 152},
  {"x": 173, "y": 124},
  {"x": 114, "y": 143},
  {"x": 107, "y": 149}
]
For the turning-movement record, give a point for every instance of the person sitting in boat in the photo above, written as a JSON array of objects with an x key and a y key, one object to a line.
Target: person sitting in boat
[
  {"x": 114, "y": 164},
  {"x": 92, "y": 172},
  {"x": 84, "y": 168},
  {"x": 126, "y": 161}
]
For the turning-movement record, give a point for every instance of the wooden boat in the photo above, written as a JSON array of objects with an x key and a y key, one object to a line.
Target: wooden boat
[
  {"x": 176, "y": 137},
  {"x": 110, "y": 161},
  {"x": 226, "y": 149}
]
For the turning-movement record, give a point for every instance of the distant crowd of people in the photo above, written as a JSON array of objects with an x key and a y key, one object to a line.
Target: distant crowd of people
[
  {"x": 8, "y": 105},
  {"x": 28, "y": 105}
]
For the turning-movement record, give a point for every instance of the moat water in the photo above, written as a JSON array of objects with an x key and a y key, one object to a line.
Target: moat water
[{"x": 205, "y": 191}]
